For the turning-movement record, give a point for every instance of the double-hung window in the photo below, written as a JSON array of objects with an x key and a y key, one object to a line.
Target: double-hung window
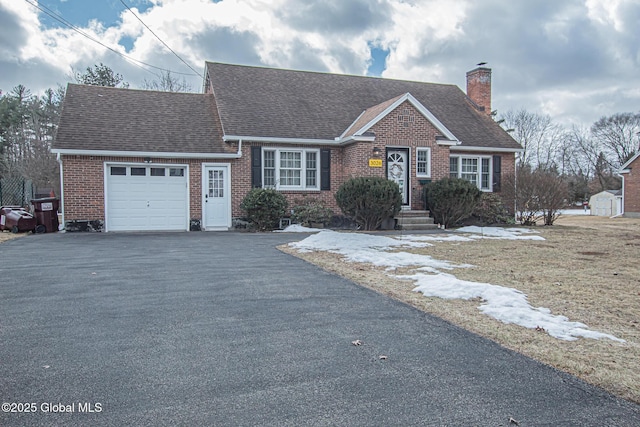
[
  {"x": 475, "y": 169},
  {"x": 423, "y": 162},
  {"x": 290, "y": 169}
]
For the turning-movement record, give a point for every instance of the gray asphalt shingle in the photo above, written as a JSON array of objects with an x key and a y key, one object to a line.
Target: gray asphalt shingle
[
  {"x": 105, "y": 118},
  {"x": 256, "y": 101}
]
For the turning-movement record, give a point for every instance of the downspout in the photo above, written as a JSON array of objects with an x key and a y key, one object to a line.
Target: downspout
[
  {"x": 59, "y": 159},
  {"x": 622, "y": 204}
]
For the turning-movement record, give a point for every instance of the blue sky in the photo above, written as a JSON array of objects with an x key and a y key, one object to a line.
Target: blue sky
[
  {"x": 576, "y": 60},
  {"x": 80, "y": 12}
]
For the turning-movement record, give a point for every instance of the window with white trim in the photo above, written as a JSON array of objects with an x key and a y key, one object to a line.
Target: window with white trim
[
  {"x": 290, "y": 169},
  {"x": 423, "y": 162},
  {"x": 475, "y": 169}
]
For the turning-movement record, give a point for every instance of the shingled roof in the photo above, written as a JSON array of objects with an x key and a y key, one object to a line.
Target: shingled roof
[
  {"x": 276, "y": 103},
  {"x": 112, "y": 119}
]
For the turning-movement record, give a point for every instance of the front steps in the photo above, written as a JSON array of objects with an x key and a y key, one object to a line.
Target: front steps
[{"x": 415, "y": 220}]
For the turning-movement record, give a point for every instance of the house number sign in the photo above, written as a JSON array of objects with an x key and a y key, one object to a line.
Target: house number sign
[{"x": 375, "y": 163}]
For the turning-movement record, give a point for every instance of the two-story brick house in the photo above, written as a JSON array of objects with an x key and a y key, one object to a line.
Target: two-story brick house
[{"x": 146, "y": 160}]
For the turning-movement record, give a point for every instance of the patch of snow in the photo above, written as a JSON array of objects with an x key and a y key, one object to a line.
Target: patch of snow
[
  {"x": 500, "y": 233},
  {"x": 366, "y": 248},
  {"x": 507, "y": 305},
  {"x": 328, "y": 240},
  {"x": 297, "y": 228},
  {"x": 440, "y": 237},
  {"x": 575, "y": 212}
]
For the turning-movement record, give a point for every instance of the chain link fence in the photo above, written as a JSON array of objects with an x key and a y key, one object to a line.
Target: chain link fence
[{"x": 16, "y": 191}]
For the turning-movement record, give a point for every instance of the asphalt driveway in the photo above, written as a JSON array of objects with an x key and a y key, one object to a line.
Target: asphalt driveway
[{"x": 222, "y": 329}]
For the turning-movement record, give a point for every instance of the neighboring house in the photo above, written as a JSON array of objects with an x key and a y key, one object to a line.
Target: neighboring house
[
  {"x": 146, "y": 160},
  {"x": 630, "y": 173},
  {"x": 606, "y": 203}
]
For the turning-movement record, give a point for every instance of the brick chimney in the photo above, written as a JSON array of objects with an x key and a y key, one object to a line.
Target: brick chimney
[{"x": 479, "y": 87}]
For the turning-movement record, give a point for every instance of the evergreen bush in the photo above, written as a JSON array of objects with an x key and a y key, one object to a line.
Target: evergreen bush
[
  {"x": 264, "y": 208},
  {"x": 491, "y": 210},
  {"x": 307, "y": 211},
  {"x": 369, "y": 200},
  {"x": 451, "y": 200}
]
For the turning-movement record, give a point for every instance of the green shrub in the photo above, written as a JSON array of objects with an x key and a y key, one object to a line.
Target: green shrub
[
  {"x": 369, "y": 200},
  {"x": 451, "y": 200},
  {"x": 264, "y": 208},
  {"x": 308, "y": 210},
  {"x": 491, "y": 210}
]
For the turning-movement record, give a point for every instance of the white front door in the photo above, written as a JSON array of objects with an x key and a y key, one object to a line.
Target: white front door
[
  {"x": 398, "y": 170},
  {"x": 216, "y": 198}
]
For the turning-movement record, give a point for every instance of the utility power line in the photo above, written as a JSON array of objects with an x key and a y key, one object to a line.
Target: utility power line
[
  {"x": 134, "y": 61},
  {"x": 156, "y": 36}
]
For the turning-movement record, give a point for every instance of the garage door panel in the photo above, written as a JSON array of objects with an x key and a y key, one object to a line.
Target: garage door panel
[{"x": 145, "y": 202}]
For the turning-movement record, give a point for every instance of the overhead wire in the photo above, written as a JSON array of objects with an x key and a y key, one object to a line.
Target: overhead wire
[
  {"x": 136, "y": 62},
  {"x": 158, "y": 37}
]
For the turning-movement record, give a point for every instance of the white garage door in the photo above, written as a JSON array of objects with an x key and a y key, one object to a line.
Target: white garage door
[{"x": 146, "y": 197}]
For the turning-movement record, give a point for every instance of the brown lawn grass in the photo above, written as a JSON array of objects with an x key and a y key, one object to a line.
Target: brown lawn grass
[
  {"x": 7, "y": 235},
  {"x": 586, "y": 269}
]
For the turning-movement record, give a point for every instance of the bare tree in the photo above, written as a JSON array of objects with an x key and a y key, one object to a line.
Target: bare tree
[
  {"x": 589, "y": 160},
  {"x": 552, "y": 194},
  {"x": 539, "y": 194},
  {"x": 618, "y": 135},
  {"x": 167, "y": 83},
  {"x": 537, "y": 134}
]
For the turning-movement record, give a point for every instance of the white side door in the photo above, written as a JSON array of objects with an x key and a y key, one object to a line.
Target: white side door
[{"x": 216, "y": 198}]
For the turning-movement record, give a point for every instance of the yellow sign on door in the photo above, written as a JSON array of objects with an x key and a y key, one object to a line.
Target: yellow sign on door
[{"x": 375, "y": 163}]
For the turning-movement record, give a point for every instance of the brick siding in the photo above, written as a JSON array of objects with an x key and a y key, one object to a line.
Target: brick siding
[
  {"x": 632, "y": 190},
  {"x": 83, "y": 180}
]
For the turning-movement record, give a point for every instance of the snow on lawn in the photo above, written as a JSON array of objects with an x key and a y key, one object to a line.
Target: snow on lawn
[
  {"x": 500, "y": 233},
  {"x": 366, "y": 248},
  {"x": 504, "y": 304},
  {"x": 297, "y": 228}
]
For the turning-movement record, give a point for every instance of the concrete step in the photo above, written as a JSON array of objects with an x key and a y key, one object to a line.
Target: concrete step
[
  {"x": 415, "y": 220},
  {"x": 407, "y": 213},
  {"x": 418, "y": 227}
]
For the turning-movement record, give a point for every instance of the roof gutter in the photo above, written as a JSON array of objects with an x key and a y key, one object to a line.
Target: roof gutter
[
  {"x": 301, "y": 141},
  {"x": 485, "y": 149},
  {"x": 151, "y": 154},
  {"x": 276, "y": 140}
]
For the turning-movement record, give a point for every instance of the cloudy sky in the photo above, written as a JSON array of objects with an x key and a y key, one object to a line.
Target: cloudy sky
[{"x": 576, "y": 60}]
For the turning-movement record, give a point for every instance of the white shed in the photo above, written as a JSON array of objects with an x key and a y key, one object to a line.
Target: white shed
[{"x": 606, "y": 203}]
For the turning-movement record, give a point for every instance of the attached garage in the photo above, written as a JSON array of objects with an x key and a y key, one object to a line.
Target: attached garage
[{"x": 146, "y": 197}]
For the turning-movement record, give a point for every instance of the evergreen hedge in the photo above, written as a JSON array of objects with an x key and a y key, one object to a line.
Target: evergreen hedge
[
  {"x": 264, "y": 208},
  {"x": 369, "y": 200},
  {"x": 451, "y": 200}
]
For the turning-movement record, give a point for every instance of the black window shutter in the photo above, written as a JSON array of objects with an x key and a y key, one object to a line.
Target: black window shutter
[
  {"x": 325, "y": 169},
  {"x": 497, "y": 174},
  {"x": 256, "y": 167}
]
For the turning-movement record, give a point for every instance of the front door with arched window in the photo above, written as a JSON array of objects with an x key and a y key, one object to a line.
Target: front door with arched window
[{"x": 398, "y": 170}]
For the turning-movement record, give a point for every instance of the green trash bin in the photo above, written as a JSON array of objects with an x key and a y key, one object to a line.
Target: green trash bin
[{"x": 46, "y": 212}]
